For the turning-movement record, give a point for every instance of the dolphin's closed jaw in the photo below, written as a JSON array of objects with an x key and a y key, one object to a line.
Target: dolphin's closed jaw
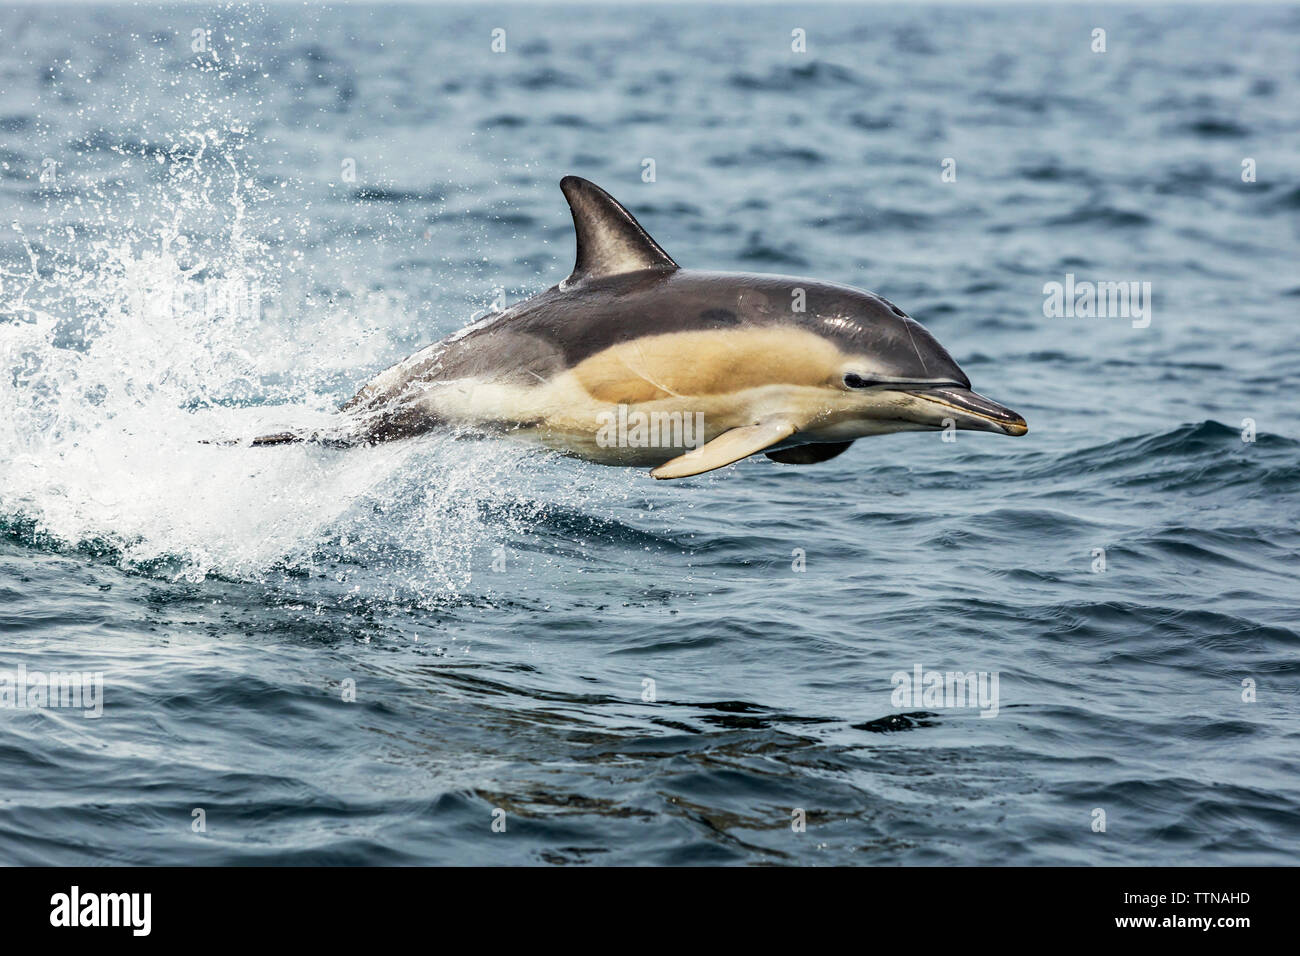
[{"x": 971, "y": 410}]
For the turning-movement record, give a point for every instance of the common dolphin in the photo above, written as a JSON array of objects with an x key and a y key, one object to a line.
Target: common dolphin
[{"x": 632, "y": 360}]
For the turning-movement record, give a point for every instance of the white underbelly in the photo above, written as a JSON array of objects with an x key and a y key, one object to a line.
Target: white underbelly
[{"x": 562, "y": 415}]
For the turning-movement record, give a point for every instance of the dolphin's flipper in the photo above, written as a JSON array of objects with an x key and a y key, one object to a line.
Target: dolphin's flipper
[
  {"x": 610, "y": 240},
  {"x": 732, "y": 445},
  {"x": 810, "y": 454}
]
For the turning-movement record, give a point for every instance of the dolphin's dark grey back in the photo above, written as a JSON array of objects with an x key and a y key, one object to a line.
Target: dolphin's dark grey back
[{"x": 559, "y": 328}]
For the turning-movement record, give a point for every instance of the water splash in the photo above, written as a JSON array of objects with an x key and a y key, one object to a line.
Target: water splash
[{"x": 176, "y": 324}]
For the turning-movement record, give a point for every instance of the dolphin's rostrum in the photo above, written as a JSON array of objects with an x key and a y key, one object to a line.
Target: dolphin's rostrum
[{"x": 632, "y": 360}]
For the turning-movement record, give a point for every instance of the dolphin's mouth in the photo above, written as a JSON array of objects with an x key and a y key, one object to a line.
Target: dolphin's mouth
[{"x": 971, "y": 410}]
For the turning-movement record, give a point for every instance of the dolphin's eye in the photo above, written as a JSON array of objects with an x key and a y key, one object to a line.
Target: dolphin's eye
[{"x": 853, "y": 380}]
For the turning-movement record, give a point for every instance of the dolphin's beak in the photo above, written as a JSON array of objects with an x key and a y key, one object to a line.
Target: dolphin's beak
[{"x": 972, "y": 411}]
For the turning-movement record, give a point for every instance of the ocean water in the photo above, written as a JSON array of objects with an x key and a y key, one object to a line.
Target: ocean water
[{"x": 221, "y": 220}]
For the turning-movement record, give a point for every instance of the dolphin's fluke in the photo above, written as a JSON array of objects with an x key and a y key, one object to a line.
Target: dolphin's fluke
[
  {"x": 283, "y": 438},
  {"x": 321, "y": 439},
  {"x": 610, "y": 240},
  {"x": 280, "y": 438}
]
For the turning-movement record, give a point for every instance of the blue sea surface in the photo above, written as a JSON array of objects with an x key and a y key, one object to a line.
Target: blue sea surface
[{"x": 221, "y": 220}]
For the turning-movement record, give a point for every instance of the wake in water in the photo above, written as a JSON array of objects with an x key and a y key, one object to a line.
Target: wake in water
[{"x": 121, "y": 355}]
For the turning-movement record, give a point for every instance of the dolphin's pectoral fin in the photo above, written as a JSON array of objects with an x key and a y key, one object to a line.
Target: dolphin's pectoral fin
[
  {"x": 810, "y": 454},
  {"x": 731, "y": 445},
  {"x": 610, "y": 240}
]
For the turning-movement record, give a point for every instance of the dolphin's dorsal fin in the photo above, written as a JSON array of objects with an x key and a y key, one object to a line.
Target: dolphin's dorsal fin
[{"x": 610, "y": 240}]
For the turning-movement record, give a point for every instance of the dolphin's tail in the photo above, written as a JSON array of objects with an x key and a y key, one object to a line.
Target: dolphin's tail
[
  {"x": 284, "y": 438},
  {"x": 341, "y": 432},
  {"x": 279, "y": 438},
  {"x": 315, "y": 438}
]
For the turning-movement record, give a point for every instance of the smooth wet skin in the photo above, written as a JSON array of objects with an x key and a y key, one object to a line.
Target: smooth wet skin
[{"x": 765, "y": 363}]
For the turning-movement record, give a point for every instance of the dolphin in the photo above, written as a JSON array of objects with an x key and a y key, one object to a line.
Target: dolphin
[{"x": 634, "y": 361}]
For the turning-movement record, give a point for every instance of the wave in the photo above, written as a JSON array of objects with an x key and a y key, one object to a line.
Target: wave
[
  {"x": 790, "y": 79},
  {"x": 1094, "y": 214}
]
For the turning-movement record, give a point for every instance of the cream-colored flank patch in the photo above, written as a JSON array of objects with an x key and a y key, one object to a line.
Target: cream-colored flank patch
[{"x": 708, "y": 363}]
